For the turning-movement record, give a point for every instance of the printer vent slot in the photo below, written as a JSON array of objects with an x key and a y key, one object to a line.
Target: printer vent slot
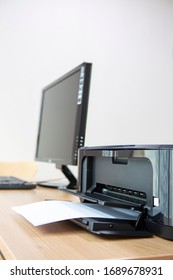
[{"x": 121, "y": 193}]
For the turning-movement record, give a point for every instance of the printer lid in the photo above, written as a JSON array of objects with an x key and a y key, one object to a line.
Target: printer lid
[{"x": 130, "y": 147}]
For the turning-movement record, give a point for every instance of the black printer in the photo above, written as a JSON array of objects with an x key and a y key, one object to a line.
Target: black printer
[{"x": 135, "y": 181}]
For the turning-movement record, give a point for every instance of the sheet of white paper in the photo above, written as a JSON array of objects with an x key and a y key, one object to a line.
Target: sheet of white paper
[
  {"x": 50, "y": 211},
  {"x": 45, "y": 212}
]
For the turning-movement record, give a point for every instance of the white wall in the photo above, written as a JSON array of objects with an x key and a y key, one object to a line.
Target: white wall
[{"x": 129, "y": 42}]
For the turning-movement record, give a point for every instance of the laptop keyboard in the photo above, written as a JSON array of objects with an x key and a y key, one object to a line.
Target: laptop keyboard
[{"x": 10, "y": 182}]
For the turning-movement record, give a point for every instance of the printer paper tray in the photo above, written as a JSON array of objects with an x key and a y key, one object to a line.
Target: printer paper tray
[
  {"x": 125, "y": 222},
  {"x": 116, "y": 227},
  {"x": 97, "y": 198}
]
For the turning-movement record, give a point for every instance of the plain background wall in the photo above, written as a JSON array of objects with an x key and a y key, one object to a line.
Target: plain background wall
[{"x": 129, "y": 42}]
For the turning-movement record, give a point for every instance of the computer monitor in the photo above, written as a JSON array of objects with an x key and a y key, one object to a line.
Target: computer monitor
[{"x": 63, "y": 119}]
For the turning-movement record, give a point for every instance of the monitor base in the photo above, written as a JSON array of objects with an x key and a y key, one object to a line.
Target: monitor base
[{"x": 61, "y": 184}]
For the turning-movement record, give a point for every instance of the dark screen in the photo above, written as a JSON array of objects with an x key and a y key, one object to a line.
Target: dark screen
[{"x": 60, "y": 118}]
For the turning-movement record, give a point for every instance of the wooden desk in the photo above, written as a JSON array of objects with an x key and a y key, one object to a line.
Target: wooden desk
[{"x": 64, "y": 240}]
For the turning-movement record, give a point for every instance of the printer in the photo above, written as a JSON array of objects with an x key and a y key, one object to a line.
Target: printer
[{"x": 134, "y": 181}]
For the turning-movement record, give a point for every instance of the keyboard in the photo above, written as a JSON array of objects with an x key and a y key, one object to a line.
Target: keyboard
[{"x": 11, "y": 183}]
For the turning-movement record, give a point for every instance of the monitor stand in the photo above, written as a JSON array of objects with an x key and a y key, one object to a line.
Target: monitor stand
[
  {"x": 68, "y": 174},
  {"x": 58, "y": 184}
]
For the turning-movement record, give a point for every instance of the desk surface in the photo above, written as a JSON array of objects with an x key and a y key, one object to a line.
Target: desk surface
[{"x": 64, "y": 240}]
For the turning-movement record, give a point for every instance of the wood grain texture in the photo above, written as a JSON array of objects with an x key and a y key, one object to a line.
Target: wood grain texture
[{"x": 65, "y": 240}]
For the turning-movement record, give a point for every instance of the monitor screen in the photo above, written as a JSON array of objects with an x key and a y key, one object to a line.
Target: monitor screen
[{"x": 63, "y": 117}]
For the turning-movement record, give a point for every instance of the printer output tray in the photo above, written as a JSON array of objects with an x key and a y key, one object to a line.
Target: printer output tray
[
  {"x": 125, "y": 221},
  {"x": 116, "y": 227},
  {"x": 129, "y": 218}
]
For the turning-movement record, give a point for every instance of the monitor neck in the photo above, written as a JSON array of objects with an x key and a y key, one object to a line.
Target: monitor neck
[{"x": 72, "y": 180}]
